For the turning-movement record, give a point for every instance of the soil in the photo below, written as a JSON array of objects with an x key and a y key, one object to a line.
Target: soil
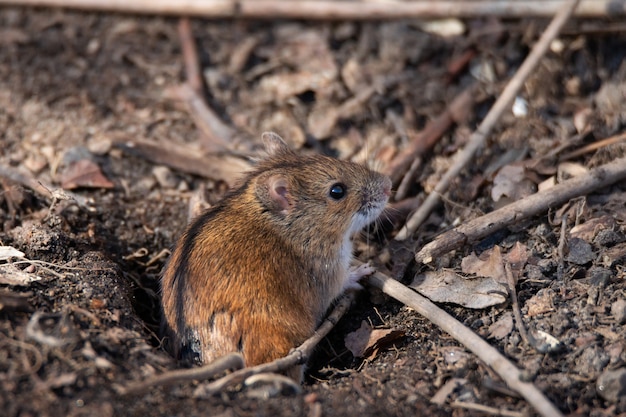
[{"x": 83, "y": 318}]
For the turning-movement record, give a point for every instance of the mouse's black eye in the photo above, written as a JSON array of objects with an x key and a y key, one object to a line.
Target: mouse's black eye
[{"x": 337, "y": 191}]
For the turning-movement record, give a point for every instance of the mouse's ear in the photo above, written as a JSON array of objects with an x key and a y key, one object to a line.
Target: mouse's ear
[
  {"x": 274, "y": 192},
  {"x": 274, "y": 144}
]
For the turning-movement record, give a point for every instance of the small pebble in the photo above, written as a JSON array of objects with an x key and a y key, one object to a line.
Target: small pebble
[
  {"x": 165, "y": 177},
  {"x": 99, "y": 146},
  {"x": 580, "y": 252},
  {"x": 611, "y": 385}
]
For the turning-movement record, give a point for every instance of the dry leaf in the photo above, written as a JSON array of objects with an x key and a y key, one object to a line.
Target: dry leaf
[
  {"x": 517, "y": 259},
  {"x": 512, "y": 182},
  {"x": 588, "y": 230},
  {"x": 547, "y": 339},
  {"x": 367, "y": 342},
  {"x": 547, "y": 184},
  {"x": 7, "y": 252},
  {"x": 314, "y": 63},
  {"x": 12, "y": 275},
  {"x": 489, "y": 264},
  {"x": 84, "y": 173},
  {"x": 501, "y": 328},
  {"x": 614, "y": 254},
  {"x": 357, "y": 340},
  {"x": 540, "y": 303},
  {"x": 571, "y": 169},
  {"x": 449, "y": 287}
]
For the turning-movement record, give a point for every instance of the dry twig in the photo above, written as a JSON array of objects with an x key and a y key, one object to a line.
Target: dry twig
[
  {"x": 517, "y": 312},
  {"x": 483, "y": 409},
  {"x": 488, "y": 354},
  {"x": 478, "y": 138},
  {"x": 522, "y": 209},
  {"x": 190, "y": 56},
  {"x": 217, "y": 367},
  {"x": 330, "y": 9},
  {"x": 595, "y": 146},
  {"x": 225, "y": 167},
  {"x": 217, "y": 133},
  {"x": 44, "y": 190}
]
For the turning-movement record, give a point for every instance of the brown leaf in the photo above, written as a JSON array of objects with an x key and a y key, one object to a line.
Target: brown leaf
[
  {"x": 501, "y": 328},
  {"x": 588, "y": 230},
  {"x": 84, "y": 173},
  {"x": 12, "y": 275},
  {"x": 613, "y": 255},
  {"x": 367, "y": 342},
  {"x": 449, "y": 287},
  {"x": 517, "y": 258},
  {"x": 382, "y": 339},
  {"x": 540, "y": 303},
  {"x": 490, "y": 264},
  {"x": 512, "y": 182},
  {"x": 358, "y": 339},
  {"x": 8, "y": 252}
]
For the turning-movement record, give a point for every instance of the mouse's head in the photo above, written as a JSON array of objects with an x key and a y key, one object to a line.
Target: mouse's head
[{"x": 318, "y": 196}]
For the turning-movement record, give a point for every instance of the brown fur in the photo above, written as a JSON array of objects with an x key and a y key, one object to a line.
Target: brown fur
[{"x": 256, "y": 273}]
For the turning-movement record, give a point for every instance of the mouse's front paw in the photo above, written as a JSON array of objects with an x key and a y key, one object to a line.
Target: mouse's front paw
[{"x": 356, "y": 273}]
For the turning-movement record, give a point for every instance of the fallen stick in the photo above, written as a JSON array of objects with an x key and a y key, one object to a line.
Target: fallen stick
[
  {"x": 190, "y": 56},
  {"x": 478, "y": 138},
  {"x": 336, "y": 10},
  {"x": 225, "y": 167},
  {"x": 298, "y": 356},
  {"x": 483, "y": 350},
  {"x": 522, "y": 209},
  {"x": 219, "y": 366},
  {"x": 44, "y": 190},
  {"x": 595, "y": 146},
  {"x": 218, "y": 134}
]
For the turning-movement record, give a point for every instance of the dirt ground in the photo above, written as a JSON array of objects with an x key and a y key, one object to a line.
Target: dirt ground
[{"x": 80, "y": 318}]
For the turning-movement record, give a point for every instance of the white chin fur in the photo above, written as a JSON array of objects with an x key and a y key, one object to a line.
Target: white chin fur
[{"x": 360, "y": 219}]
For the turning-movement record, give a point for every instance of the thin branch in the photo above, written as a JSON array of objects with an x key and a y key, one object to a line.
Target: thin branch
[
  {"x": 338, "y": 10},
  {"x": 517, "y": 311},
  {"x": 298, "y": 356},
  {"x": 225, "y": 166},
  {"x": 44, "y": 190},
  {"x": 487, "y": 353},
  {"x": 218, "y": 133},
  {"x": 595, "y": 146},
  {"x": 478, "y": 138},
  {"x": 190, "y": 55},
  {"x": 483, "y": 409},
  {"x": 561, "y": 248},
  {"x": 522, "y": 209},
  {"x": 219, "y": 366}
]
